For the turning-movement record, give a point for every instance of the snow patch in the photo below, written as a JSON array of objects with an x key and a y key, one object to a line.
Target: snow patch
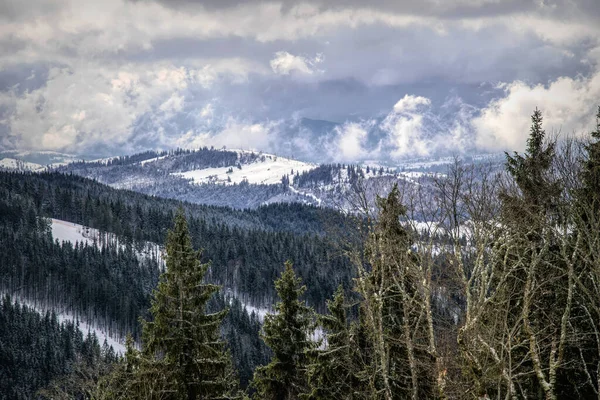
[
  {"x": 117, "y": 344},
  {"x": 144, "y": 162},
  {"x": 19, "y": 165},
  {"x": 268, "y": 169},
  {"x": 65, "y": 231}
]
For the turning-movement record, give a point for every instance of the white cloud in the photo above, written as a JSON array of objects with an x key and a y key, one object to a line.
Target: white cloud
[
  {"x": 207, "y": 111},
  {"x": 89, "y": 28},
  {"x": 235, "y": 135},
  {"x": 405, "y": 128},
  {"x": 567, "y": 105},
  {"x": 100, "y": 101},
  {"x": 79, "y": 108},
  {"x": 285, "y": 63},
  {"x": 173, "y": 104},
  {"x": 350, "y": 142},
  {"x": 410, "y": 103}
]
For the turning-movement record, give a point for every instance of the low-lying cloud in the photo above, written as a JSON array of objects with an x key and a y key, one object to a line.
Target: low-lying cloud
[
  {"x": 285, "y": 63},
  {"x": 567, "y": 104}
]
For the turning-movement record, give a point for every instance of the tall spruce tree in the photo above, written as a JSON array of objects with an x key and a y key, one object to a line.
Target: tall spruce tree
[
  {"x": 287, "y": 333},
  {"x": 534, "y": 269},
  {"x": 182, "y": 355},
  {"x": 588, "y": 196},
  {"x": 331, "y": 373},
  {"x": 532, "y": 174},
  {"x": 394, "y": 309}
]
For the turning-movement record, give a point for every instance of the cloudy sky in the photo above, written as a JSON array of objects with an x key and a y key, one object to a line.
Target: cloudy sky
[{"x": 394, "y": 78}]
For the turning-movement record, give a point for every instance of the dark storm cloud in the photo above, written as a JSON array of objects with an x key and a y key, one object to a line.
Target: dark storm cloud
[{"x": 449, "y": 9}]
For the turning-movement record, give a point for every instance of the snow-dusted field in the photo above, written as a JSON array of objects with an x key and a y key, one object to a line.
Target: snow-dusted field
[
  {"x": 64, "y": 231},
  {"x": 14, "y": 164},
  {"x": 152, "y": 160},
  {"x": 269, "y": 172}
]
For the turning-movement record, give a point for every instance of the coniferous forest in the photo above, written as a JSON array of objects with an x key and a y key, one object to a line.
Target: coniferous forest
[{"x": 482, "y": 284}]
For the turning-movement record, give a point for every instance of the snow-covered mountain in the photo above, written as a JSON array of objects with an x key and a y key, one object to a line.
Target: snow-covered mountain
[
  {"x": 9, "y": 163},
  {"x": 267, "y": 169},
  {"x": 34, "y": 160},
  {"x": 248, "y": 179}
]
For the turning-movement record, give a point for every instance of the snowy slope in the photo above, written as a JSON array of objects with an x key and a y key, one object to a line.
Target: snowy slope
[
  {"x": 14, "y": 164},
  {"x": 268, "y": 170},
  {"x": 152, "y": 160},
  {"x": 117, "y": 344},
  {"x": 64, "y": 231},
  {"x": 34, "y": 160}
]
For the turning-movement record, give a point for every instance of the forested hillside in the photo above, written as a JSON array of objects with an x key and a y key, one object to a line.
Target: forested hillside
[
  {"x": 483, "y": 284},
  {"x": 36, "y": 348},
  {"x": 164, "y": 174},
  {"x": 246, "y": 248},
  {"x": 108, "y": 284}
]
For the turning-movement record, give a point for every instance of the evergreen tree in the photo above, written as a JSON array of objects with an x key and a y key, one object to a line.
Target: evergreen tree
[
  {"x": 183, "y": 356},
  {"x": 395, "y": 310},
  {"x": 287, "y": 334},
  {"x": 532, "y": 270},
  {"x": 331, "y": 374},
  {"x": 533, "y": 176},
  {"x": 586, "y": 243}
]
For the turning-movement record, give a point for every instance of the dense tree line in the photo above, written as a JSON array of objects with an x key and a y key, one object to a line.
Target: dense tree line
[
  {"x": 108, "y": 284},
  {"x": 35, "y": 349},
  {"x": 508, "y": 308},
  {"x": 105, "y": 284},
  {"x": 246, "y": 247}
]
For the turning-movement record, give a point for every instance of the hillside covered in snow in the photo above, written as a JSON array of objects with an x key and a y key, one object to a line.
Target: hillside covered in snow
[{"x": 247, "y": 179}]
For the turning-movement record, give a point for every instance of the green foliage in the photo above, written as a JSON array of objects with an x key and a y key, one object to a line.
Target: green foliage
[
  {"x": 588, "y": 196},
  {"x": 331, "y": 372},
  {"x": 287, "y": 335},
  {"x": 395, "y": 309},
  {"x": 532, "y": 171},
  {"x": 246, "y": 248},
  {"x": 183, "y": 356},
  {"x": 37, "y": 351}
]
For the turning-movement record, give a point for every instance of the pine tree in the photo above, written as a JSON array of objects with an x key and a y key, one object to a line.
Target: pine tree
[
  {"x": 183, "y": 356},
  {"x": 586, "y": 243},
  {"x": 331, "y": 374},
  {"x": 395, "y": 309},
  {"x": 533, "y": 296},
  {"x": 287, "y": 334},
  {"x": 532, "y": 174}
]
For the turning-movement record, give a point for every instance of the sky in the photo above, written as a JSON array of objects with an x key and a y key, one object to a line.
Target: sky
[{"x": 322, "y": 80}]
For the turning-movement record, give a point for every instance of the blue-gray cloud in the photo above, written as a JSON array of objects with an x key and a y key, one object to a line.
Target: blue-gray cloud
[{"x": 122, "y": 76}]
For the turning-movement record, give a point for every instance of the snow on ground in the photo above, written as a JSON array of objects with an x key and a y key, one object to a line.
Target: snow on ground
[
  {"x": 69, "y": 232},
  {"x": 260, "y": 312},
  {"x": 64, "y": 231},
  {"x": 302, "y": 193},
  {"x": 144, "y": 162},
  {"x": 425, "y": 163},
  {"x": 267, "y": 169},
  {"x": 12, "y": 163},
  {"x": 414, "y": 176},
  {"x": 117, "y": 344},
  {"x": 419, "y": 174}
]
